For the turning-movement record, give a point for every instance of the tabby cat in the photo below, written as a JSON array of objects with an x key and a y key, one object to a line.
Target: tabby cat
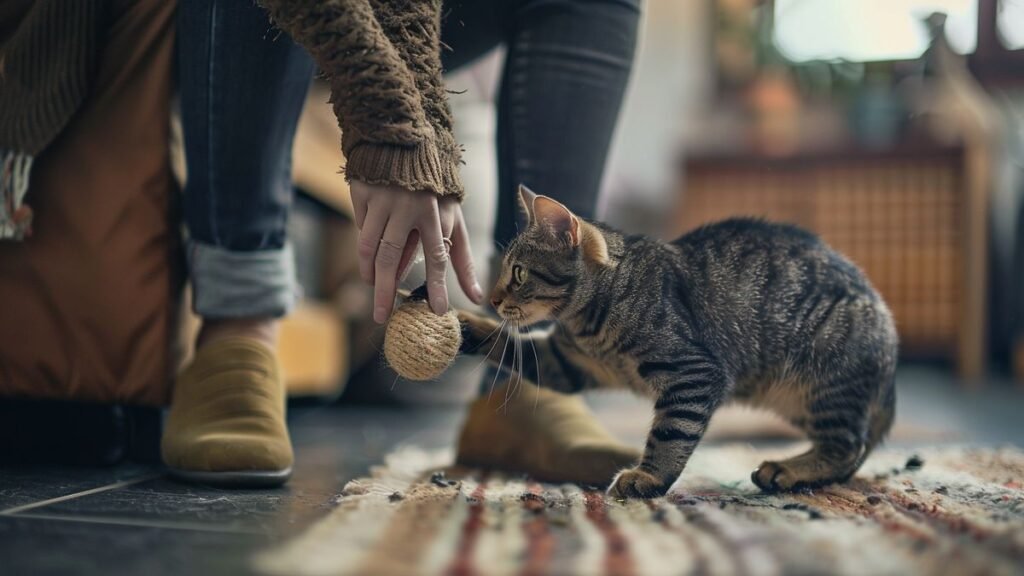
[{"x": 743, "y": 310}]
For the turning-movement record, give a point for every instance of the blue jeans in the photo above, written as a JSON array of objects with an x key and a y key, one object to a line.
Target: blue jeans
[{"x": 243, "y": 85}]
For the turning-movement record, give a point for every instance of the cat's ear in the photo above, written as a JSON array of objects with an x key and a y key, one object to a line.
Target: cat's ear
[
  {"x": 563, "y": 225},
  {"x": 556, "y": 219},
  {"x": 526, "y": 198}
]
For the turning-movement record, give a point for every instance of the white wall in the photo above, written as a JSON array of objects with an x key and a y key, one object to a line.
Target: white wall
[{"x": 671, "y": 82}]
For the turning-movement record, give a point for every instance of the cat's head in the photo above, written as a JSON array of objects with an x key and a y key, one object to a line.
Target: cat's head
[{"x": 543, "y": 265}]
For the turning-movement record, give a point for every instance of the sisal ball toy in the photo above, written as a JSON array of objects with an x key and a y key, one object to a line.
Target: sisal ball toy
[{"x": 419, "y": 344}]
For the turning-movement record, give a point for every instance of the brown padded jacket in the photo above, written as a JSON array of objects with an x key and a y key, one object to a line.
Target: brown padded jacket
[{"x": 383, "y": 62}]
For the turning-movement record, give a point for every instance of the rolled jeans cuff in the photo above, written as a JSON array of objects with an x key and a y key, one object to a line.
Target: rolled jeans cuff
[{"x": 237, "y": 284}]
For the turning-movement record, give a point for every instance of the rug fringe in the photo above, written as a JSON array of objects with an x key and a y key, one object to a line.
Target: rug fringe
[{"x": 15, "y": 217}]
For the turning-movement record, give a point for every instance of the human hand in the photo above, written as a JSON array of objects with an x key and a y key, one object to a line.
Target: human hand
[{"x": 391, "y": 221}]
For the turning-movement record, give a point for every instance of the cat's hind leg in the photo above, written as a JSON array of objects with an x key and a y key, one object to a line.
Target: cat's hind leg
[
  {"x": 822, "y": 464},
  {"x": 837, "y": 424}
]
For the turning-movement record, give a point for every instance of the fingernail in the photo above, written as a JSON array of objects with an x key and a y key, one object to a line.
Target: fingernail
[
  {"x": 478, "y": 293},
  {"x": 439, "y": 306},
  {"x": 380, "y": 314}
]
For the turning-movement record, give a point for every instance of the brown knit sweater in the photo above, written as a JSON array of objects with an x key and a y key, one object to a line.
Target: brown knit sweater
[{"x": 382, "y": 59}]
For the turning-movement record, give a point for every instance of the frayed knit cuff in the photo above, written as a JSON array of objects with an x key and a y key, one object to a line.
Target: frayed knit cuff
[
  {"x": 417, "y": 167},
  {"x": 451, "y": 156}
]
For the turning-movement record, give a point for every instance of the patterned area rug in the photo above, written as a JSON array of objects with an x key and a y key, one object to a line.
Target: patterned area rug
[{"x": 940, "y": 511}]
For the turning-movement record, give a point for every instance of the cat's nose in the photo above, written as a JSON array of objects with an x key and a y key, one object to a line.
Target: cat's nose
[{"x": 496, "y": 301}]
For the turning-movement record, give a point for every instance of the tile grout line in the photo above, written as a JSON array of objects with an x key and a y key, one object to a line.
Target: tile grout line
[
  {"x": 91, "y": 491},
  {"x": 108, "y": 521}
]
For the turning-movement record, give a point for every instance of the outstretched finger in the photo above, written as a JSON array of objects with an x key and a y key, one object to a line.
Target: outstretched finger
[
  {"x": 462, "y": 261},
  {"x": 389, "y": 255},
  {"x": 411, "y": 244},
  {"x": 435, "y": 252},
  {"x": 369, "y": 242},
  {"x": 358, "y": 194}
]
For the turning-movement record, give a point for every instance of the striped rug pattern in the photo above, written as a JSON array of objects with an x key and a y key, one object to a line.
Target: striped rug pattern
[{"x": 940, "y": 511}]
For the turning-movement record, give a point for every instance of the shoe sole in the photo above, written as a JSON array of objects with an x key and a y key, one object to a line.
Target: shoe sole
[{"x": 234, "y": 479}]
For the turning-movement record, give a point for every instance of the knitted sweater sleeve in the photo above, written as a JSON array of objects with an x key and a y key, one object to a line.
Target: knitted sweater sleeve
[
  {"x": 415, "y": 32},
  {"x": 387, "y": 136}
]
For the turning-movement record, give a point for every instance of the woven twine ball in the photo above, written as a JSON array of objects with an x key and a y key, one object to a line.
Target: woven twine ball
[{"x": 419, "y": 344}]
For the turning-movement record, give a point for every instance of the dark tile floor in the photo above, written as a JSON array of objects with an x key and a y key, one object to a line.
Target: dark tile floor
[{"x": 131, "y": 519}]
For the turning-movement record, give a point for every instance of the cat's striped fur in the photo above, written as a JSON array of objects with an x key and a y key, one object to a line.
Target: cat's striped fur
[{"x": 742, "y": 310}]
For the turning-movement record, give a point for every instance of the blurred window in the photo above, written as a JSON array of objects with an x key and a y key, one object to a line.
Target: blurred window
[
  {"x": 875, "y": 30},
  {"x": 1011, "y": 23}
]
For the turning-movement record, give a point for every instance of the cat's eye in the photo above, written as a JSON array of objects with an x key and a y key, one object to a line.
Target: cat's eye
[{"x": 518, "y": 274}]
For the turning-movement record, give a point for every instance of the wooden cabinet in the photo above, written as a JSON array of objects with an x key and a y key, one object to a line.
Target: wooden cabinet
[{"x": 903, "y": 216}]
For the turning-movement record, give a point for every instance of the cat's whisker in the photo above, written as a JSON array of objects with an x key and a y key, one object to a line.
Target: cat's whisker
[
  {"x": 522, "y": 359},
  {"x": 519, "y": 354},
  {"x": 501, "y": 361},
  {"x": 515, "y": 355},
  {"x": 516, "y": 379},
  {"x": 498, "y": 328},
  {"x": 512, "y": 367},
  {"x": 536, "y": 360},
  {"x": 485, "y": 357}
]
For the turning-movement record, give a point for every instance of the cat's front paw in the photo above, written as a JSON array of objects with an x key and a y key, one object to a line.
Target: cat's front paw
[
  {"x": 476, "y": 331},
  {"x": 635, "y": 483}
]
